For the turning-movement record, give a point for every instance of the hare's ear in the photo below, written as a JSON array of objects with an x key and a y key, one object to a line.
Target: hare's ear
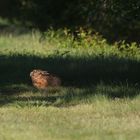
[{"x": 31, "y": 73}]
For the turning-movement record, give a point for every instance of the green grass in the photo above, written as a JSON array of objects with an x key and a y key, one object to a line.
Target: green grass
[
  {"x": 99, "y": 97},
  {"x": 102, "y": 119}
]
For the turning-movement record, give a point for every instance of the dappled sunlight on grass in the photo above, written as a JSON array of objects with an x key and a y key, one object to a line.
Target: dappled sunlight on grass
[{"x": 23, "y": 95}]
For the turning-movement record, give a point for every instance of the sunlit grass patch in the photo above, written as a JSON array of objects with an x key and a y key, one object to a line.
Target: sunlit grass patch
[{"x": 102, "y": 119}]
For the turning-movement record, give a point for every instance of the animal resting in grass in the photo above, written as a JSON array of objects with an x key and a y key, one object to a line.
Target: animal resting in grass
[{"x": 42, "y": 79}]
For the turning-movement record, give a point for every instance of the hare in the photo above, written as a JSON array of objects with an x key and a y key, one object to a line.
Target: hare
[{"x": 42, "y": 79}]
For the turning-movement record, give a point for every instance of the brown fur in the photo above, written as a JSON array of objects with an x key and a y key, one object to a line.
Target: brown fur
[{"x": 43, "y": 79}]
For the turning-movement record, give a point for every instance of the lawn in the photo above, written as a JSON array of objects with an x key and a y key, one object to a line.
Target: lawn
[{"x": 99, "y": 97}]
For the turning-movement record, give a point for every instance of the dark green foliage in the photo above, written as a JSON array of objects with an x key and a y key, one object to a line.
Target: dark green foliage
[{"x": 115, "y": 19}]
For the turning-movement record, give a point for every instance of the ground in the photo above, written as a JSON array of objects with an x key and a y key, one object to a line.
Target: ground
[{"x": 99, "y": 97}]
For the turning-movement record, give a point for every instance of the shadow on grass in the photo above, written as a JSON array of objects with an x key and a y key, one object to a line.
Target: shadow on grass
[
  {"x": 74, "y": 71},
  {"x": 67, "y": 96},
  {"x": 86, "y": 74}
]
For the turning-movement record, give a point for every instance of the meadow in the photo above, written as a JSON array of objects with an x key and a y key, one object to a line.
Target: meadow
[{"x": 99, "y": 97}]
